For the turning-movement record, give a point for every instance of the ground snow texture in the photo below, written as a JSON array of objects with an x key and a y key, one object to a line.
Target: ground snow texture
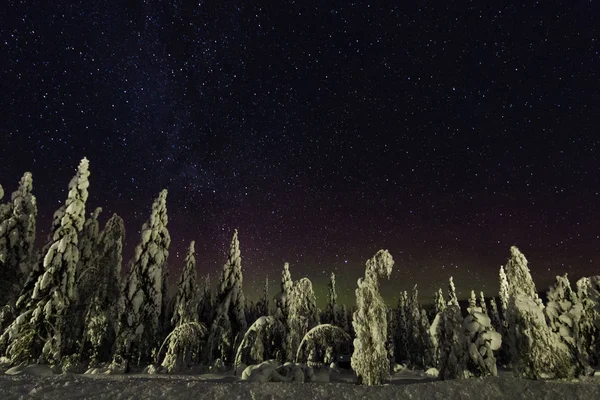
[{"x": 404, "y": 385}]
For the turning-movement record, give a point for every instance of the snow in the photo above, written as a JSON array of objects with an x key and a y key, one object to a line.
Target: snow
[{"x": 34, "y": 383}]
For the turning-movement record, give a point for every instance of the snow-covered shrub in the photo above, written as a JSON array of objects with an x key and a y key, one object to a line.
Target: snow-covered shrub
[
  {"x": 369, "y": 360},
  {"x": 482, "y": 341},
  {"x": 262, "y": 341},
  {"x": 321, "y": 339}
]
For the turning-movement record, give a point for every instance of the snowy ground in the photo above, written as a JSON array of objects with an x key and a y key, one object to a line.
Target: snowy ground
[{"x": 404, "y": 385}]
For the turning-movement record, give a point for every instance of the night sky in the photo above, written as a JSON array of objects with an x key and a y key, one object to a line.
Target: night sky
[{"x": 323, "y": 130}]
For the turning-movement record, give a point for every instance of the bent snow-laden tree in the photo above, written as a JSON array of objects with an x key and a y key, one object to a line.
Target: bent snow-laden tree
[
  {"x": 262, "y": 341},
  {"x": 139, "y": 323},
  {"x": 325, "y": 339},
  {"x": 181, "y": 343},
  {"x": 17, "y": 234},
  {"x": 38, "y": 333},
  {"x": 536, "y": 352},
  {"x": 369, "y": 360},
  {"x": 230, "y": 323},
  {"x": 482, "y": 341}
]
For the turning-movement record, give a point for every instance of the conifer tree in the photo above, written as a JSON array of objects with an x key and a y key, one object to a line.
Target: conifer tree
[
  {"x": 39, "y": 330},
  {"x": 102, "y": 313},
  {"x": 452, "y": 299},
  {"x": 495, "y": 315},
  {"x": 472, "y": 300},
  {"x": 343, "y": 319},
  {"x": 439, "y": 302},
  {"x": 185, "y": 299},
  {"x": 536, "y": 351},
  {"x": 140, "y": 321},
  {"x": 415, "y": 339},
  {"x": 482, "y": 304},
  {"x": 482, "y": 340},
  {"x": 369, "y": 360},
  {"x": 284, "y": 297},
  {"x": 332, "y": 305},
  {"x": 206, "y": 306},
  {"x": 303, "y": 315},
  {"x": 17, "y": 234},
  {"x": 402, "y": 347},
  {"x": 263, "y": 304},
  {"x": 451, "y": 344},
  {"x": 230, "y": 320}
]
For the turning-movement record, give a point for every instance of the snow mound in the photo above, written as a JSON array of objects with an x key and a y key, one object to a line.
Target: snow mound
[{"x": 33, "y": 369}]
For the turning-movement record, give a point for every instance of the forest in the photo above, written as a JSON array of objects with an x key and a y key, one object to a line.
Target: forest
[{"x": 68, "y": 305}]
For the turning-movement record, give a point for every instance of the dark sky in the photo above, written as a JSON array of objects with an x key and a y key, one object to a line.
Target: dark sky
[{"x": 323, "y": 130}]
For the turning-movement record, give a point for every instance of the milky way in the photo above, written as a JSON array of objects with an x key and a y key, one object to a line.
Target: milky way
[{"x": 322, "y": 131}]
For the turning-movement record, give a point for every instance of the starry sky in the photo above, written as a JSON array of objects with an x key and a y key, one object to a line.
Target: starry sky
[{"x": 443, "y": 131}]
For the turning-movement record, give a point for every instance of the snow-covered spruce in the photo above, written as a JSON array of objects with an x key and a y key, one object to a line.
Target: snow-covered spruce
[
  {"x": 186, "y": 303},
  {"x": 17, "y": 234},
  {"x": 332, "y": 308},
  {"x": 452, "y": 299},
  {"x": 482, "y": 304},
  {"x": 230, "y": 320},
  {"x": 402, "y": 345},
  {"x": 451, "y": 342},
  {"x": 482, "y": 341},
  {"x": 206, "y": 305},
  {"x": 472, "y": 300},
  {"x": 142, "y": 300},
  {"x": 303, "y": 315},
  {"x": 102, "y": 313},
  {"x": 564, "y": 312},
  {"x": 262, "y": 341},
  {"x": 589, "y": 323},
  {"x": 321, "y": 344},
  {"x": 38, "y": 332},
  {"x": 495, "y": 315},
  {"x": 262, "y": 307},
  {"x": 439, "y": 302},
  {"x": 369, "y": 359},
  {"x": 283, "y": 298},
  {"x": 417, "y": 345},
  {"x": 536, "y": 352}
]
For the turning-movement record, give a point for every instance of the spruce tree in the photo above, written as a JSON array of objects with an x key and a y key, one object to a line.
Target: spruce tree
[
  {"x": 186, "y": 302},
  {"x": 369, "y": 359},
  {"x": 452, "y": 299},
  {"x": 303, "y": 315},
  {"x": 38, "y": 333},
  {"x": 536, "y": 352},
  {"x": 452, "y": 344},
  {"x": 472, "y": 300},
  {"x": 482, "y": 340},
  {"x": 284, "y": 297},
  {"x": 102, "y": 313},
  {"x": 17, "y": 234},
  {"x": 140, "y": 322},
  {"x": 263, "y": 304},
  {"x": 230, "y": 320},
  {"x": 482, "y": 303},
  {"x": 415, "y": 340},
  {"x": 332, "y": 305},
  {"x": 495, "y": 315},
  {"x": 439, "y": 302}
]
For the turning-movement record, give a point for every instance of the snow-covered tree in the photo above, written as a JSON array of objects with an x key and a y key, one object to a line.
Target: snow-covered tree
[
  {"x": 451, "y": 343},
  {"x": 495, "y": 315},
  {"x": 185, "y": 299},
  {"x": 17, "y": 234},
  {"x": 482, "y": 304},
  {"x": 402, "y": 343},
  {"x": 262, "y": 341},
  {"x": 415, "y": 339},
  {"x": 503, "y": 295},
  {"x": 589, "y": 323},
  {"x": 38, "y": 332},
  {"x": 206, "y": 306},
  {"x": 102, "y": 313},
  {"x": 452, "y": 299},
  {"x": 283, "y": 299},
  {"x": 332, "y": 308},
  {"x": 472, "y": 300},
  {"x": 369, "y": 360},
  {"x": 439, "y": 302},
  {"x": 564, "y": 312},
  {"x": 324, "y": 340},
  {"x": 427, "y": 342},
  {"x": 343, "y": 318},
  {"x": 303, "y": 315},
  {"x": 230, "y": 320},
  {"x": 536, "y": 352},
  {"x": 263, "y": 304},
  {"x": 482, "y": 341},
  {"x": 183, "y": 344},
  {"x": 140, "y": 320}
]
